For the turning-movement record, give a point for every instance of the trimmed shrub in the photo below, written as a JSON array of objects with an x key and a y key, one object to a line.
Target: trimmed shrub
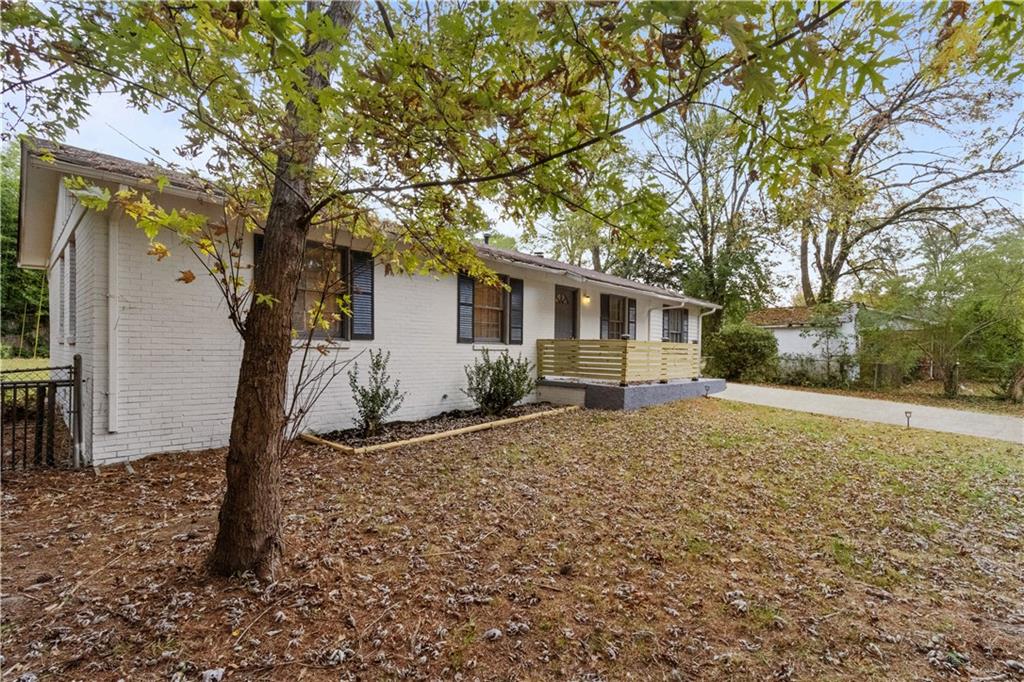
[
  {"x": 496, "y": 385},
  {"x": 743, "y": 352},
  {"x": 379, "y": 400}
]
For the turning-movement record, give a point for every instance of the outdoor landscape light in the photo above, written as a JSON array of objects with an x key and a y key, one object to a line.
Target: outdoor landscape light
[
  {"x": 907, "y": 413},
  {"x": 707, "y": 390}
]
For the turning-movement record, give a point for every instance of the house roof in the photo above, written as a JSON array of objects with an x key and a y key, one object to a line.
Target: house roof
[
  {"x": 36, "y": 153},
  {"x": 493, "y": 253},
  {"x": 112, "y": 165},
  {"x": 789, "y": 316},
  {"x": 43, "y": 163}
]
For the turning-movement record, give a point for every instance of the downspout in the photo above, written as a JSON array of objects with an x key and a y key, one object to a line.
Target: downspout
[{"x": 113, "y": 311}]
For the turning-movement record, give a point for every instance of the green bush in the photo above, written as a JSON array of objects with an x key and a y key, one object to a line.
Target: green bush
[
  {"x": 379, "y": 400},
  {"x": 812, "y": 370},
  {"x": 799, "y": 370},
  {"x": 496, "y": 385},
  {"x": 743, "y": 352}
]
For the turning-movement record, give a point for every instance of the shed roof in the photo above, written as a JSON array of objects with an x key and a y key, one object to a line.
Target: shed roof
[{"x": 788, "y": 316}]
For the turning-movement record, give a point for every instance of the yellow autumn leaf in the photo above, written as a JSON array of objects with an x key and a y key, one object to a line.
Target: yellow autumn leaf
[{"x": 159, "y": 250}]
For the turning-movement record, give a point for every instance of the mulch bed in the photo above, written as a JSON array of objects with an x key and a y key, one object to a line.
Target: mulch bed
[{"x": 446, "y": 421}]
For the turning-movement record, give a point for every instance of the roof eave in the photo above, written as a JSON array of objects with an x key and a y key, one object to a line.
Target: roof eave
[
  {"x": 22, "y": 166},
  {"x": 666, "y": 295}
]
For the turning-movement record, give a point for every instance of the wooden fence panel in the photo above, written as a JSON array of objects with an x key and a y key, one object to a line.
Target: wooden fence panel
[{"x": 617, "y": 360}]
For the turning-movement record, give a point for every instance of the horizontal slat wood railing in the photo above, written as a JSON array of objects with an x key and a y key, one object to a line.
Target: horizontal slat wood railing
[{"x": 617, "y": 360}]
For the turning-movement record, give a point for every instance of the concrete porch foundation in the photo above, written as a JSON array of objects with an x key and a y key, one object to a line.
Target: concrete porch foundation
[{"x": 608, "y": 396}]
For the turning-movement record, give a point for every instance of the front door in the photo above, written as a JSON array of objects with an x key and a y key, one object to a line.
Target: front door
[{"x": 565, "y": 312}]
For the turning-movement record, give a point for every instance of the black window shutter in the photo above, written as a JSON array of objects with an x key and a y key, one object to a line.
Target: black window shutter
[
  {"x": 665, "y": 315},
  {"x": 465, "y": 304},
  {"x": 361, "y": 296},
  {"x": 515, "y": 311},
  {"x": 686, "y": 325},
  {"x": 631, "y": 318},
  {"x": 604, "y": 316},
  {"x": 257, "y": 247}
]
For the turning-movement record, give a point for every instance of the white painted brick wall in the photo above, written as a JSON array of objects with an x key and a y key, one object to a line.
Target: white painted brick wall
[{"x": 178, "y": 353}]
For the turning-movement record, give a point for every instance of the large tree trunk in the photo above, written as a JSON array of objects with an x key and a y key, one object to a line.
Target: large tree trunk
[
  {"x": 951, "y": 379},
  {"x": 249, "y": 532},
  {"x": 1015, "y": 389},
  {"x": 805, "y": 266},
  {"x": 826, "y": 289}
]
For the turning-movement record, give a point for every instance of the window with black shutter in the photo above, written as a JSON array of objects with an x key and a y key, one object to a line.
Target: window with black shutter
[
  {"x": 675, "y": 325},
  {"x": 618, "y": 317},
  {"x": 320, "y": 297},
  {"x": 330, "y": 273},
  {"x": 490, "y": 313}
]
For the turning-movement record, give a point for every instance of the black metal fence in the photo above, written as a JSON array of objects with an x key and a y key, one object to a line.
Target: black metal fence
[{"x": 40, "y": 421}]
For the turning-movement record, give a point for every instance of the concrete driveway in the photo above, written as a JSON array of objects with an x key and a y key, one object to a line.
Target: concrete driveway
[{"x": 1000, "y": 427}]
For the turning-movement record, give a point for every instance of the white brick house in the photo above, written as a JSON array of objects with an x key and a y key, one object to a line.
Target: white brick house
[{"x": 160, "y": 358}]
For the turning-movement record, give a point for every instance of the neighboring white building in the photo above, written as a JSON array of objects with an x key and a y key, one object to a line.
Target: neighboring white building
[
  {"x": 800, "y": 339},
  {"x": 795, "y": 334},
  {"x": 160, "y": 358}
]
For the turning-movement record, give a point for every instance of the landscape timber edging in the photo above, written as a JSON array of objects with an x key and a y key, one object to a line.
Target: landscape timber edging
[{"x": 349, "y": 450}]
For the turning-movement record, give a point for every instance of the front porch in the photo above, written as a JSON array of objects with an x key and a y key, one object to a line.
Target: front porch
[{"x": 614, "y": 374}]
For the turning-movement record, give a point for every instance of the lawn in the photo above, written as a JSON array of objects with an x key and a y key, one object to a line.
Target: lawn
[
  {"x": 976, "y": 396},
  {"x": 23, "y": 363},
  {"x": 704, "y": 539}
]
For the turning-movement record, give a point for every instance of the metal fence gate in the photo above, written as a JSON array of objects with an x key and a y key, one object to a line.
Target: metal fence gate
[{"x": 40, "y": 421}]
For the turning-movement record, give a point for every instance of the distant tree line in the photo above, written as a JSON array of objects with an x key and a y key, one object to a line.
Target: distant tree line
[{"x": 24, "y": 303}]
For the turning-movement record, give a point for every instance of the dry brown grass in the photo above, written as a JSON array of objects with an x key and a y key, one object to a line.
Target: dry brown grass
[{"x": 704, "y": 539}]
